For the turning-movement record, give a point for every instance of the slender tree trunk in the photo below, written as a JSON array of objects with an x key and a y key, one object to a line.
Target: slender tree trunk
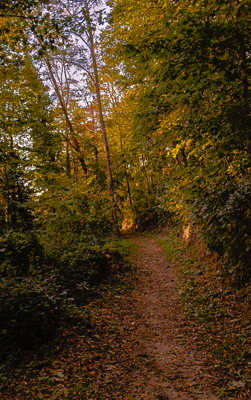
[
  {"x": 101, "y": 117},
  {"x": 129, "y": 190},
  {"x": 7, "y": 220},
  {"x": 146, "y": 176},
  {"x": 94, "y": 133},
  {"x": 75, "y": 144},
  {"x": 126, "y": 175},
  {"x": 147, "y": 180},
  {"x": 68, "y": 161}
]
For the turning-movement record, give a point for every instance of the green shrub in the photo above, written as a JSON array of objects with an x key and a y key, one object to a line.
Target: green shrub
[
  {"x": 29, "y": 316},
  {"x": 90, "y": 265},
  {"x": 33, "y": 310},
  {"x": 71, "y": 214},
  {"x": 20, "y": 253},
  {"x": 151, "y": 218},
  {"x": 33, "y": 307},
  {"x": 225, "y": 215}
]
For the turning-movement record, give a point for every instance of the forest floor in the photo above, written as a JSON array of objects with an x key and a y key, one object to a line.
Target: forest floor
[{"x": 140, "y": 344}]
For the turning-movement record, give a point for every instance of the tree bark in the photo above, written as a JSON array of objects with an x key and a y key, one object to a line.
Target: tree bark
[
  {"x": 101, "y": 116},
  {"x": 94, "y": 133}
]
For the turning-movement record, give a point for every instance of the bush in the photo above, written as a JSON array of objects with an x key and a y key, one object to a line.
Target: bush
[
  {"x": 29, "y": 316},
  {"x": 33, "y": 310},
  {"x": 64, "y": 213},
  {"x": 225, "y": 215},
  {"x": 36, "y": 303},
  {"x": 151, "y": 218},
  {"x": 20, "y": 253},
  {"x": 89, "y": 265}
]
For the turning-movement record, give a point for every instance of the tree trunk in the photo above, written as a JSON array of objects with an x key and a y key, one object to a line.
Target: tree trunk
[
  {"x": 101, "y": 117},
  {"x": 147, "y": 180},
  {"x": 126, "y": 175},
  {"x": 94, "y": 133},
  {"x": 68, "y": 160},
  {"x": 75, "y": 145}
]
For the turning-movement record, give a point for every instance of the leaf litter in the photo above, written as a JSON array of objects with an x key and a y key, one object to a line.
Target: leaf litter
[{"x": 141, "y": 345}]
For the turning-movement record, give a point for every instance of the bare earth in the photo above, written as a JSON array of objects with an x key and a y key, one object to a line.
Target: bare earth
[{"x": 167, "y": 363}]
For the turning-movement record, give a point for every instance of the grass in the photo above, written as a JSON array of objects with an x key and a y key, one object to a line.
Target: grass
[{"x": 122, "y": 245}]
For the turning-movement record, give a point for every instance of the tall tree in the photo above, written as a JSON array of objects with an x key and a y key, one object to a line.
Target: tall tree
[
  {"x": 27, "y": 140},
  {"x": 86, "y": 11}
]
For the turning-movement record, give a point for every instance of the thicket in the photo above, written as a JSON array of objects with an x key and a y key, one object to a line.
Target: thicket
[
  {"x": 52, "y": 266},
  {"x": 185, "y": 74},
  {"x": 41, "y": 293}
]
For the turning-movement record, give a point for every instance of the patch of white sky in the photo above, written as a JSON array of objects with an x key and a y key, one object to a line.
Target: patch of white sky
[{"x": 75, "y": 73}]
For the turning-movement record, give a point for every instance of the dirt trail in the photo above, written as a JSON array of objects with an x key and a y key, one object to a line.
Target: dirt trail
[
  {"x": 141, "y": 346},
  {"x": 169, "y": 365}
]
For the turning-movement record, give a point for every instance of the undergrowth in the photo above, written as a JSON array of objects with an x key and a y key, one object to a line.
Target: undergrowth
[
  {"x": 74, "y": 365},
  {"x": 218, "y": 311},
  {"x": 38, "y": 307}
]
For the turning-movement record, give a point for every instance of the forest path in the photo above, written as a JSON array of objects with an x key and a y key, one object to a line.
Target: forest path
[
  {"x": 140, "y": 347},
  {"x": 169, "y": 365}
]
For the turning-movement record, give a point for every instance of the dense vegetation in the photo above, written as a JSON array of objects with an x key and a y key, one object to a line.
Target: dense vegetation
[
  {"x": 117, "y": 116},
  {"x": 185, "y": 70}
]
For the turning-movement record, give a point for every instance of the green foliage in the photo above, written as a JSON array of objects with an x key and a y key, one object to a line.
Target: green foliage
[
  {"x": 151, "y": 218},
  {"x": 27, "y": 141},
  {"x": 174, "y": 252},
  {"x": 86, "y": 264},
  {"x": 225, "y": 216},
  {"x": 20, "y": 253},
  {"x": 33, "y": 309},
  {"x": 118, "y": 247},
  {"x": 69, "y": 213},
  {"x": 29, "y": 316},
  {"x": 186, "y": 67}
]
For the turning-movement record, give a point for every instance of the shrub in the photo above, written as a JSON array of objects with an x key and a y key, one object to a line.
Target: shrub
[
  {"x": 20, "y": 253},
  {"x": 87, "y": 264},
  {"x": 225, "y": 215},
  {"x": 36, "y": 303},
  {"x": 64, "y": 213},
  {"x": 29, "y": 316},
  {"x": 152, "y": 218}
]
